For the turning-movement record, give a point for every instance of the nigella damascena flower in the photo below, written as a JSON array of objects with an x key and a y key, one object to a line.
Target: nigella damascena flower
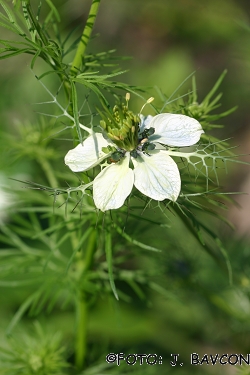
[{"x": 131, "y": 145}]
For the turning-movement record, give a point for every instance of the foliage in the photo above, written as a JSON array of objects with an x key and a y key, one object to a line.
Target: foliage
[
  {"x": 67, "y": 259},
  {"x": 33, "y": 355}
]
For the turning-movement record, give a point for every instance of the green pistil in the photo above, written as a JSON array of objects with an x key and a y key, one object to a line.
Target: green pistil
[{"x": 122, "y": 127}]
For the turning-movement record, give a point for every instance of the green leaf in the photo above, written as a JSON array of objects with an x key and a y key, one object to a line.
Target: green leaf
[
  {"x": 215, "y": 88},
  {"x": 175, "y": 91},
  {"x": 18, "y": 52},
  {"x": 78, "y": 247},
  {"x": 9, "y": 27},
  {"x": 135, "y": 242},
  {"x": 54, "y": 10},
  {"x": 37, "y": 54},
  {"x": 24, "y": 306},
  {"x": 108, "y": 251},
  {"x": 10, "y": 15}
]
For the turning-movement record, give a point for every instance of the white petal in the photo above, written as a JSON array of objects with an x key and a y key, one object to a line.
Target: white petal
[
  {"x": 175, "y": 130},
  {"x": 157, "y": 176},
  {"x": 88, "y": 154},
  {"x": 112, "y": 186}
]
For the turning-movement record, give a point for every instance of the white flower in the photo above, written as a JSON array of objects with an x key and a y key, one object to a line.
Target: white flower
[{"x": 155, "y": 174}]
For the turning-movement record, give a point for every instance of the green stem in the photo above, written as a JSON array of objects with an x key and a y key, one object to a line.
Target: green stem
[
  {"x": 85, "y": 36},
  {"x": 84, "y": 265},
  {"x": 82, "y": 306},
  {"x": 49, "y": 173},
  {"x": 89, "y": 253},
  {"x": 81, "y": 331}
]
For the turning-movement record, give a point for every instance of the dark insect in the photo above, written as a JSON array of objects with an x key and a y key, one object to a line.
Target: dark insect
[
  {"x": 147, "y": 146},
  {"x": 116, "y": 156},
  {"x": 147, "y": 132}
]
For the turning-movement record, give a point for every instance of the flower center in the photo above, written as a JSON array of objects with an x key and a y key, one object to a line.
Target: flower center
[{"x": 121, "y": 126}]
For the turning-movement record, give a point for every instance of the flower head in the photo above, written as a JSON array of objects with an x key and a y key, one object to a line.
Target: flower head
[{"x": 133, "y": 141}]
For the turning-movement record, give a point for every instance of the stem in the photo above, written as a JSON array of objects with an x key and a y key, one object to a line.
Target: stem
[
  {"x": 84, "y": 265},
  {"x": 89, "y": 253},
  {"x": 81, "y": 331},
  {"x": 82, "y": 307},
  {"x": 48, "y": 171},
  {"x": 85, "y": 36}
]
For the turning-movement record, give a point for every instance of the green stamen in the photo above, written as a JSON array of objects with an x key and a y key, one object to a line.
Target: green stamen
[{"x": 121, "y": 126}]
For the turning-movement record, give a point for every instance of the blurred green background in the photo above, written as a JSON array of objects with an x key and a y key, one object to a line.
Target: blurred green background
[{"x": 198, "y": 312}]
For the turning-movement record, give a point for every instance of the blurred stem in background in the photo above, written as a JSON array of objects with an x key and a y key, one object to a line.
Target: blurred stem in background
[
  {"x": 82, "y": 298},
  {"x": 82, "y": 265},
  {"x": 82, "y": 304}
]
